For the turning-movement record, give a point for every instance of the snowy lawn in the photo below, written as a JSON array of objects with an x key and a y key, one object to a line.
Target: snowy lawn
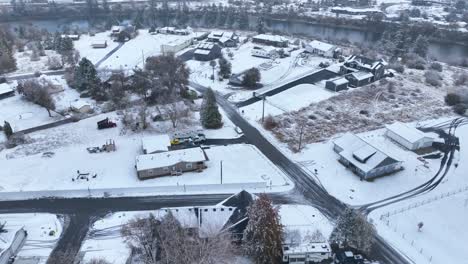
[
  {"x": 443, "y": 212},
  {"x": 25, "y": 65},
  {"x": 43, "y": 230},
  {"x": 83, "y": 45},
  {"x": 292, "y": 99},
  {"x": 241, "y": 163},
  {"x": 346, "y": 186},
  {"x": 22, "y": 114},
  {"x": 143, "y": 45}
]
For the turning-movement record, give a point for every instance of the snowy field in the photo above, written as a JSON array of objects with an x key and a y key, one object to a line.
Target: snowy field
[
  {"x": 443, "y": 212},
  {"x": 273, "y": 72},
  {"x": 144, "y": 45},
  {"x": 25, "y": 65},
  {"x": 104, "y": 239},
  {"x": 83, "y": 45},
  {"x": 22, "y": 114},
  {"x": 43, "y": 232},
  {"x": 241, "y": 163},
  {"x": 346, "y": 186},
  {"x": 292, "y": 99}
]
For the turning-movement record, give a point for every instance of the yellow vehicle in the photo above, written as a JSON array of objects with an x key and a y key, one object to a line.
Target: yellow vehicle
[{"x": 175, "y": 141}]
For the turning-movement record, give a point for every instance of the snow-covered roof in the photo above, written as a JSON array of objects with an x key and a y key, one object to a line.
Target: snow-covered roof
[
  {"x": 202, "y": 52},
  {"x": 78, "y": 104},
  {"x": 209, "y": 220},
  {"x": 339, "y": 81},
  {"x": 408, "y": 133},
  {"x": 164, "y": 159},
  {"x": 205, "y": 46},
  {"x": 322, "y": 46},
  {"x": 362, "y": 154},
  {"x": 308, "y": 248},
  {"x": 273, "y": 38},
  {"x": 360, "y": 75},
  {"x": 5, "y": 88},
  {"x": 159, "y": 143},
  {"x": 355, "y": 10},
  {"x": 98, "y": 42},
  {"x": 117, "y": 28}
]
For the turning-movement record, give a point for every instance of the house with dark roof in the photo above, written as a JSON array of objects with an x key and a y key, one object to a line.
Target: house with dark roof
[
  {"x": 207, "y": 51},
  {"x": 364, "y": 159},
  {"x": 225, "y": 39},
  {"x": 358, "y": 70}
]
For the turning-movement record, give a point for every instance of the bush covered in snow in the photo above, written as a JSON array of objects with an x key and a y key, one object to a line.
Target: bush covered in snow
[
  {"x": 460, "y": 79},
  {"x": 398, "y": 67},
  {"x": 452, "y": 99},
  {"x": 436, "y": 66},
  {"x": 270, "y": 122},
  {"x": 433, "y": 78},
  {"x": 414, "y": 61}
]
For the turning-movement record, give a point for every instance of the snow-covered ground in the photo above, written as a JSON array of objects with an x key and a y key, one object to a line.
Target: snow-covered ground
[
  {"x": 292, "y": 99},
  {"x": 273, "y": 72},
  {"x": 144, "y": 45},
  {"x": 43, "y": 232},
  {"x": 242, "y": 164},
  {"x": 83, "y": 45},
  {"x": 443, "y": 212},
  {"x": 25, "y": 65},
  {"x": 105, "y": 240}
]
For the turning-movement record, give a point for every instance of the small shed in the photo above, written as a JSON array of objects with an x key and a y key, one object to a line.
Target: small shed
[
  {"x": 337, "y": 84},
  {"x": 99, "y": 44},
  {"x": 207, "y": 51},
  {"x": 264, "y": 52},
  {"x": 155, "y": 144},
  {"x": 6, "y": 91},
  {"x": 173, "y": 162},
  {"x": 359, "y": 78},
  {"x": 320, "y": 48},
  {"x": 80, "y": 106},
  {"x": 408, "y": 136}
]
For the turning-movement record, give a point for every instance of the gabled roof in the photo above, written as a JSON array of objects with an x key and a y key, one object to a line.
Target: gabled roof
[
  {"x": 360, "y": 75},
  {"x": 362, "y": 154},
  {"x": 322, "y": 46},
  {"x": 164, "y": 159},
  {"x": 159, "y": 143},
  {"x": 410, "y": 134},
  {"x": 339, "y": 81},
  {"x": 273, "y": 38}
]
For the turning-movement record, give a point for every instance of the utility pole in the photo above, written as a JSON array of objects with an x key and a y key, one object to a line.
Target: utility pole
[
  {"x": 143, "y": 59},
  {"x": 263, "y": 108},
  {"x": 221, "y": 167},
  {"x": 300, "y": 136}
]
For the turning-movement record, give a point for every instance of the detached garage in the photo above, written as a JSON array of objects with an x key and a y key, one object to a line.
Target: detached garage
[{"x": 408, "y": 136}]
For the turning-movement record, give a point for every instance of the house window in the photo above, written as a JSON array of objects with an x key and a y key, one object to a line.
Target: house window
[
  {"x": 189, "y": 166},
  {"x": 166, "y": 169}
]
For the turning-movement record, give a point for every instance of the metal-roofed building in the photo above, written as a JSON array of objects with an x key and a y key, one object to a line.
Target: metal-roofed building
[
  {"x": 363, "y": 159},
  {"x": 409, "y": 137}
]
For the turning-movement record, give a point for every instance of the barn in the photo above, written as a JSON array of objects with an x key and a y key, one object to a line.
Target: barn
[
  {"x": 173, "y": 162},
  {"x": 408, "y": 136},
  {"x": 363, "y": 159}
]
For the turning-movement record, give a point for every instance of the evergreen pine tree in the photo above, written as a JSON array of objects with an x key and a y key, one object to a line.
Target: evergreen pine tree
[
  {"x": 209, "y": 112},
  {"x": 85, "y": 77},
  {"x": 421, "y": 45},
  {"x": 353, "y": 230},
  {"x": 7, "y": 129},
  {"x": 225, "y": 67},
  {"x": 263, "y": 234},
  {"x": 66, "y": 45}
]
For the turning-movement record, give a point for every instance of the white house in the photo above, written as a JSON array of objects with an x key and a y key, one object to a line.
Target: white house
[
  {"x": 408, "y": 136},
  {"x": 6, "y": 91},
  {"x": 306, "y": 253},
  {"x": 363, "y": 159},
  {"x": 80, "y": 106},
  {"x": 320, "y": 48},
  {"x": 155, "y": 144},
  {"x": 264, "y": 52},
  {"x": 175, "y": 46}
]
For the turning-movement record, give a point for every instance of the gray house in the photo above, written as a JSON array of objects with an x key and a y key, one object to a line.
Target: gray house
[
  {"x": 359, "y": 78},
  {"x": 207, "y": 51},
  {"x": 356, "y": 63},
  {"x": 363, "y": 159},
  {"x": 170, "y": 163}
]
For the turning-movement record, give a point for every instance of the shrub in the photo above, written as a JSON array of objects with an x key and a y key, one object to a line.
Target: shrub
[
  {"x": 460, "y": 109},
  {"x": 415, "y": 61},
  {"x": 270, "y": 123},
  {"x": 436, "y": 66},
  {"x": 461, "y": 79},
  {"x": 452, "y": 99},
  {"x": 398, "y": 67},
  {"x": 433, "y": 78}
]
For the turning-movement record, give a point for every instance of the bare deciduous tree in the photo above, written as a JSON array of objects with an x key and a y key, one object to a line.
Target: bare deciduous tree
[{"x": 38, "y": 93}]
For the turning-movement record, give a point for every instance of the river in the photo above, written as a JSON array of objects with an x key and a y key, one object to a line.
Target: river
[{"x": 444, "y": 52}]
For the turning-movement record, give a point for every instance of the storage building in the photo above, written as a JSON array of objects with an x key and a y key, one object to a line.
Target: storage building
[
  {"x": 408, "y": 136},
  {"x": 156, "y": 144}
]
